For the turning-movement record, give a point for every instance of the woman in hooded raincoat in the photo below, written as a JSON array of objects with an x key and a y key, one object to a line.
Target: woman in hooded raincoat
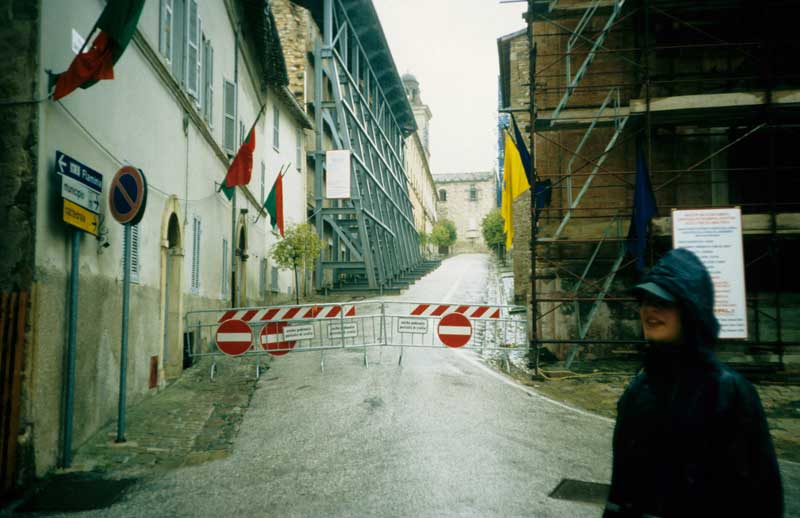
[{"x": 691, "y": 438}]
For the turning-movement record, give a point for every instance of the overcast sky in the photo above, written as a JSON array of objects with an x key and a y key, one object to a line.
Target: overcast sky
[{"x": 451, "y": 48}]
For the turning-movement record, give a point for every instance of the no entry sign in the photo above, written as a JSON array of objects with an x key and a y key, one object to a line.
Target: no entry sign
[
  {"x": 271, "y": 339},
  {"x": 234, "y": 337},
  {"x": 454, "y": 330}
]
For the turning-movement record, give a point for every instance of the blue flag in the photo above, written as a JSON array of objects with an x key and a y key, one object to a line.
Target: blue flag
[
  {"x": 542, "y": 189},
  {"x": 644, "y": 208}
]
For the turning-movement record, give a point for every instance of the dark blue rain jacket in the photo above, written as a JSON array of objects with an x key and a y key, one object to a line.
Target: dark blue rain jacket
[{"x": 691, "y": 438}]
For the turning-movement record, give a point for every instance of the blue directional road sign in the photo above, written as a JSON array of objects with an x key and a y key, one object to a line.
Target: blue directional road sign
[{"x": 69, "y": 167}]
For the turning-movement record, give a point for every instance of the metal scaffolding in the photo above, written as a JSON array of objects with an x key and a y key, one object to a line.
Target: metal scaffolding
[
  {"x": 734, "y": 96},
  {"x": 360, "y": 105}
]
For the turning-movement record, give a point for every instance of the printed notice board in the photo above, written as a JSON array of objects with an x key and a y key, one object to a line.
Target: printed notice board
[{"x": 715, "y": 235}]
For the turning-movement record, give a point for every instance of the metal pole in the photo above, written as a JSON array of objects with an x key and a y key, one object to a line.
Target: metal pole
[
  {"x": 534, "y": 342},
  {"x": 123, "y": 358},
  {"x": 71, "y": 347}
]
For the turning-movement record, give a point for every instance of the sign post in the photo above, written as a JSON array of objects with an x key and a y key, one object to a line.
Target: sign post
[
  {"x": 127, "y": 198},
  {"x": 80, "y": 189},
  {"x": 715, "y": 235}
]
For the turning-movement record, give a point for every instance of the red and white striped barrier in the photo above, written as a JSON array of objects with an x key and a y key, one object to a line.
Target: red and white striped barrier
[
  {"x": 287, "y": 313},
  {"x": 438, "y": 310}
]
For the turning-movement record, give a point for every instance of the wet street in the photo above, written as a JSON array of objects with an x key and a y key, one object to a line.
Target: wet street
[{"x": 441, "y": 435}]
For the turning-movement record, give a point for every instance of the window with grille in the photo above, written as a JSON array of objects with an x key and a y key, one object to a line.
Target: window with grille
[
  {"x": 473, "y": 193},
  {"x": 229, "y": 110},
  {"x": 442, "y": 195},
  {"x": 195, "y": 255}
]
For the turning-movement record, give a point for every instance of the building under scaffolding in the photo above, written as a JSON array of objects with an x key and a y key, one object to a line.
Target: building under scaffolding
[
  {"x": 708, "y": 94},
  {"x": 358, "y": 103}
]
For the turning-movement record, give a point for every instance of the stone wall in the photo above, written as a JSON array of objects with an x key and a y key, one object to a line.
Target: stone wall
[
  {"x": 19, "y": 26},
  {"x": 294, "y": 27}
]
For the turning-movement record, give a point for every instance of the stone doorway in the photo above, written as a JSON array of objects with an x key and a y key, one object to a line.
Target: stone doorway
[{"x": 172, "y": 292}]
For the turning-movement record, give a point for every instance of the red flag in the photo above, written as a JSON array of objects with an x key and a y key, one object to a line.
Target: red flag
[
  {"x": 96, "y": 64},
  {"x": 242, "y": 166}
]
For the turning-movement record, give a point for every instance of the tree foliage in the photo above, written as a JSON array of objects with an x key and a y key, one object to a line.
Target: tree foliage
[
  {"x": 299, "y": 247},
  {"x": 492, "y": 229},
  {"x": 444, "y": 233}
]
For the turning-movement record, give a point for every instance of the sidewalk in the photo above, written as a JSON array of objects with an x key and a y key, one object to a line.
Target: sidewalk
[{"x": 192, "y": 421}]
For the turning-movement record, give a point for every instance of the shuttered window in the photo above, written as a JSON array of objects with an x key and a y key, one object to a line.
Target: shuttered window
[
  {"x": 196, "y": 255},
  {"x": 192, "y": 49},
  {"x": 298, "y": 158},
  {"x": 135, "y": 248},
  {"x": 208, "y": 83},
  {"x": 274, "y": 280},
  {"x": 276, "y": 127},
  {"x": 225, "y": 272},
  {"x": 165, "y": 30},
  {"x": 229, "y": 109}
]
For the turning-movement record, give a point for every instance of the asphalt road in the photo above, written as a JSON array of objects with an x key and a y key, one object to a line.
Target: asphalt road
[{"x": 442, "y": 435}]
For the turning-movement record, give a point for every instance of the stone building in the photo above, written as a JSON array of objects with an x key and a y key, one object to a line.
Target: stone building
[
  {"x": 710, "y": 111},
  {"x": 465, "y": 199},
  {"x": 181, "y": 103},
  {"x": 422, "y": 190}
]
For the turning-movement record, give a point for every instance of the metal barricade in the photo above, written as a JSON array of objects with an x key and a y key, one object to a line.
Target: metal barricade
[{"x": 278, "y": 330}]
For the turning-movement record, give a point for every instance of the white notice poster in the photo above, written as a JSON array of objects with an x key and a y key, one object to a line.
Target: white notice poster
[
  {"x": 337, "y": 178},
  {"x": 715, "y": 235}
]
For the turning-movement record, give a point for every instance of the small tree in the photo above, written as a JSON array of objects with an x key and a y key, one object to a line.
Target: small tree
[
  {"x": 444, "y": 233},
  {"x": 493, "y": 233},
  {"x": 424, "y": 240},
  {"x": 300, "y": 246}
]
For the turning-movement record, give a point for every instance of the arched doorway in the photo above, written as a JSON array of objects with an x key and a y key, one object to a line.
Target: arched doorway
[
  {"x": 240, "y": 286},
  {"x": 171, "y": 290}
]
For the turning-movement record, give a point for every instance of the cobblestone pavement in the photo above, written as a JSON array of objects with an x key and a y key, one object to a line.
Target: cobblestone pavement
[{"x": 191, "y": 421}]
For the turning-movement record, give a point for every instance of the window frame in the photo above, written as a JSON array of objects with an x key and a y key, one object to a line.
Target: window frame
[
  {"x": 276, "y": 128},
  {"x": 227, "y": 116}
]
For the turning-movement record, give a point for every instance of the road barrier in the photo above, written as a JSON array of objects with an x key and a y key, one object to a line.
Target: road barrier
[{"x": 279, "y": 330}]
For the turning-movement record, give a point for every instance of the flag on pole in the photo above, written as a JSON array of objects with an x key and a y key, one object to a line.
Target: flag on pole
[
  {"x": 514, "y": 184},
  {"x": 241, "y": 169},
  {"x": 644, "y": 208},
  {"x": 524, "y": 155},
  {"x": 117, "y": 24},
  {"x": 274, "y": 205}
]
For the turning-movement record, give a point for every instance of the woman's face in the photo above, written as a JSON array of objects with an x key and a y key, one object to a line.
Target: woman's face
[{"x": 661, "y": 320}]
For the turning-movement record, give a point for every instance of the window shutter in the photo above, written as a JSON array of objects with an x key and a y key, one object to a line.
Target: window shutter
[
  {"x": 262, "y": 278},
  {"x": 241, "y": 132},
  {"x": 224, "y": 267},
  {"x": 192, "y": 47},
  {"x": 274, "y": 280},
  {"x": 135, "y": 265},
  {"x": 196, "y": 255},
  {"x": 165, "y": 31},
  {"x": 263, "y": 182},
  {"x": 229, "y": 98},
  {"x": 299, "y": 149},
  {"x": 208, "y": 94},
  {"x": 276, "y": 128}
]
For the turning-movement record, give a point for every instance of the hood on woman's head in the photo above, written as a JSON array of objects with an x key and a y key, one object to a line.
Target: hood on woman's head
[{"x": 680, "y": 276}]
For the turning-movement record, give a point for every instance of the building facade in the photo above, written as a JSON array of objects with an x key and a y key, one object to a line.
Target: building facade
[
  {"x": 422, "y": 190},
  {"x": 705, "y": 114},
  {"x": 186, "y": 92},
  {"x": 465, "y": 199}
]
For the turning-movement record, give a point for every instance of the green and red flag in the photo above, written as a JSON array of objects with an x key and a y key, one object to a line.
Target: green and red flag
[
  {"x": 117, "y": 24},
  {"x": 241, "y": 169},
  {"x": 274, "y": 205}
]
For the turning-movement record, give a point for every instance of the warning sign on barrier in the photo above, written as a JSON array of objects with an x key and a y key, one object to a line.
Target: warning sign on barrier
[
  {"x": 302, "y": 332},
  {"x": 454, "y": 330},
  {"x": 335, "y": 330},
  {"x": 417, "y": 326}
]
